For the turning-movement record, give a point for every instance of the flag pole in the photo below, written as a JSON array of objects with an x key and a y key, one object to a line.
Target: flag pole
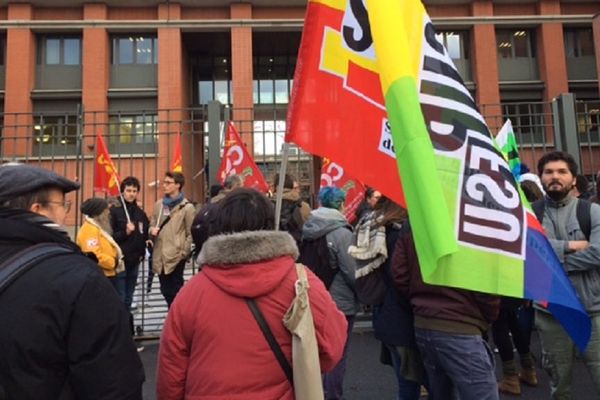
[
  {"x": 123, "y": 200},
  {"x": 282, "y": 170}
]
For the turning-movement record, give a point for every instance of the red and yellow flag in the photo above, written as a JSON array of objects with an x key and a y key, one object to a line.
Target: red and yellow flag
[
  {"x": 333, "y": 174},
  {"x": 106, "y": 177},
  {"x": 237, "y": 161},
  {"x": 177, "y": 165}
]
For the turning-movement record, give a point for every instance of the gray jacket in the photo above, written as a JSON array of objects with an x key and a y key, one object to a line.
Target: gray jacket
[
  {"x": 583, "y": 267},
  {"x": 331, "y": 222}
]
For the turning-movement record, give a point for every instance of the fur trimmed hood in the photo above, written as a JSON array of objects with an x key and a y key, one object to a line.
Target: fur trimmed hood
[{"x": 247, "y": 247}]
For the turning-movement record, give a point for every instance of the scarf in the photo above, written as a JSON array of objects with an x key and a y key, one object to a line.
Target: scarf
[
  {"x": 370, "y": 250},
  {"x": 121, "y": 264},
  {"x": 172, "y": 202}
]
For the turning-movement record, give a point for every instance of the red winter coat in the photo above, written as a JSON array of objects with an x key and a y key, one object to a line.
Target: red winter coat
[{"x": 212, "y": 347}]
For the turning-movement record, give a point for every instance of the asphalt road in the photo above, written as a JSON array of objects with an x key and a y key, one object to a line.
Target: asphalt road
[{"x": 368, "y": 379}]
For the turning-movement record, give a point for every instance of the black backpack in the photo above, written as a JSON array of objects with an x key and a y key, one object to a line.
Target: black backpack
[
  {"x": 583, "y": 213},
  {"x": 291, "y": 219},
  {"x": 315, "y": 255}
]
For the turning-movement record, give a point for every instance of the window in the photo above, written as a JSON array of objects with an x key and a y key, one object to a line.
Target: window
[
  {"x": 515, "y": 44},
  {"x": 456, "y": 43},
  {"x": 273, "y": 77},
  {"x": 528, "y": 121},
  {"x": 579, "y": 42},
  {"x": 135, "y": 49},
  {"x": 588, "y": 121},
  {"x": 214, "y": 80},
  {"x": 59, "y": 50},
  {"x": 133, "y": 133},
  {"x": 55, "y": 134}
]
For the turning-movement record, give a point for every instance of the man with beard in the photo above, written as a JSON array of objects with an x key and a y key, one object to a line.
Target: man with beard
[
  {"x": 95, "y": 236},
  {"x": 64, "y": 332},
  {"x": 579, "y": 252}
]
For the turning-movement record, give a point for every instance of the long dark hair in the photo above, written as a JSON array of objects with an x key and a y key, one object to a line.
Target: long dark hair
[{"x": 391, "y": 212}]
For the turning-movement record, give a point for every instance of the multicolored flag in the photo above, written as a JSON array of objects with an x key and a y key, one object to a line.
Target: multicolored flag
[
  {"x": 177, "y": 165},
  {"x": 237, "y": 161},
  {"x": 333, "y": 174},
  {"x": 507, "y": 143},
  {"x": 106, "y": 177},
  {"x": 471, "y": 227}
]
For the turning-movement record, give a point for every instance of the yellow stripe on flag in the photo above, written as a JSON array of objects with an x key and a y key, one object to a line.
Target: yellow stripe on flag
[
  {"x": 399, "y": 22},
  {"x": 337, "y": 4}
]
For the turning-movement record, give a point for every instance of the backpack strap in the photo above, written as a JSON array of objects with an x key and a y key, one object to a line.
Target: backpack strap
[
  {"x": 539, "y": 206},
  {"x": 584, "y": 217},
  {"x": 24, "y": 260}
]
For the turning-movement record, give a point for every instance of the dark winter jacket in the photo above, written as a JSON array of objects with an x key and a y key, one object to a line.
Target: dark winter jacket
[
  {"x": 64, "y": 329},
  {"x": 439, "y": 308},
  {"x": 393, "y": 319},
  {"x": 133, "y": 245}
]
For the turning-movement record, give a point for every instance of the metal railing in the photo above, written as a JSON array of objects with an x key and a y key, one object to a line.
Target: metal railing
[{"x": 142, "y": 144}]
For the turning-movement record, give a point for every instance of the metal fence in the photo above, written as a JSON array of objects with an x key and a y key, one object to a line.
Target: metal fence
[{"x": 142, "y": 144}]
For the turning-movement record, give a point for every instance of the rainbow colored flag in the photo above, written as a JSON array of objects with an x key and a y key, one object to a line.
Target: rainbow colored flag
[
  {"x": 376, "y": 91},
  {"x": 507, "y": 143}
]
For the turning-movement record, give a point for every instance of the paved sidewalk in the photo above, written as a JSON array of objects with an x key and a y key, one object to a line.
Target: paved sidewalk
[{"x": 367, "y": 379}]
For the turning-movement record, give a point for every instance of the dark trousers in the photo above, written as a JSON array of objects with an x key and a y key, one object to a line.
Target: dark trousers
[
  {"x": 333, "y": 381},
  {"x": 171, "y": 283},
  {"x": 511, "y": 322},
  {"x": 458, "y": 366}
]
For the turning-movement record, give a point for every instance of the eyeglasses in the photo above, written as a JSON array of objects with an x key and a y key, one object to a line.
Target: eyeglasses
[
  {"x": 168, "y": 182},
  {"x": 64, "y": 204}
]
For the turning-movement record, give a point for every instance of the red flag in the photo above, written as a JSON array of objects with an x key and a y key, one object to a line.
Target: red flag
[
  {"x": 177, "y": 165},
  {"x": 337, "y": 109},
  {"x": 106, "y": 177},
  {"x": 237, "y": 161},
  {"x": 333, "y": 174}
]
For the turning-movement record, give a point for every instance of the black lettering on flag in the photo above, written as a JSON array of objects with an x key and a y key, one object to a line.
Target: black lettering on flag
[{"x": 360, "y": 14}]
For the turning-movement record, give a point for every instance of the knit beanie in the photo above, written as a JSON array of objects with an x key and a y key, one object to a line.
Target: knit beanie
[{"x": 94, "y": 206}]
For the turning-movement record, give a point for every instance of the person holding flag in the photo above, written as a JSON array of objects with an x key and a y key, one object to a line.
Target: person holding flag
[
  {"x": 171, "y": 236},
  {"x": 131, "y": 233}
]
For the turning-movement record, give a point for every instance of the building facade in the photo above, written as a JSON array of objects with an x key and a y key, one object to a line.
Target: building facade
[{"x": 141, "y": 71}]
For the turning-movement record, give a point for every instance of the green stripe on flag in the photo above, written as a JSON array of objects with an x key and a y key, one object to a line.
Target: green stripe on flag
[{"x": 430, "y": 220}]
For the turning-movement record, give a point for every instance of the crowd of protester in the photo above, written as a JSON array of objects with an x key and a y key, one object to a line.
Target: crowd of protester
[{"x": 66, "y": 317}]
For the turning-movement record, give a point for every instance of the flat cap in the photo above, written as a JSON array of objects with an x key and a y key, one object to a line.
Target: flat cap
[{"x": 18, "y": 179}]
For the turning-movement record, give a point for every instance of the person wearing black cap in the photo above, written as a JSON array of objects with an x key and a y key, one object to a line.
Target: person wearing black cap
[
  {"x": 64, "y": 331},
  {"x": 95, "y": 236}
]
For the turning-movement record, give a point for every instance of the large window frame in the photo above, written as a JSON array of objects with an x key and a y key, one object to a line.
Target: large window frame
[
  {"x": 515, "y": 43},
  {"x": 273, "y": 79},
  {"x": 579, "y": 42},
  {"x": 59, "y": 50},
  {"x": 134, "y": 49},
  {"x": 528, "y": 121},
  {"x": 55, "y": 134},
  {"x": 214, "y": 80},
  {"x": 133, "y": 133}
]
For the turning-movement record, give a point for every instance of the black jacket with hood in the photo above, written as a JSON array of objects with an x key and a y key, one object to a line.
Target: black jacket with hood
[{"x": 65, "y": 333}]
